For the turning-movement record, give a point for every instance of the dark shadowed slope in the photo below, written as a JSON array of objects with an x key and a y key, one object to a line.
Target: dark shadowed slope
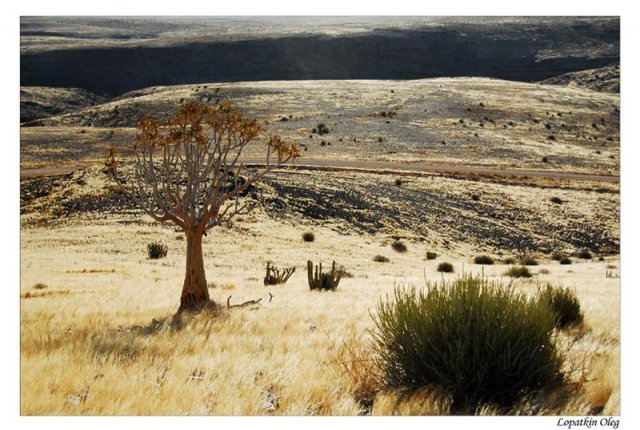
[{"x": 524, "y": 50}]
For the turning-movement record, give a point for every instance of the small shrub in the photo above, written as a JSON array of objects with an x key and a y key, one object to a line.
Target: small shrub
[
  {"x": 544, "y": 271},
  {"x": 445, "y": 267},
  {"x": 476, "y": 340},
  {"x": 475, "y": 197},
  {"x": 556, "y": 200},
  {"x": 40, "y": 286},
  {"x": 564, "y": 304},
  {"x": 157, "y": 250},
  {"x": 431, "y": 255},
  {"x": 557, "y": 256},
  {"x": 585, "y": 254},
  {"x": 323, "y": 281},
  {"x": 322, "y": 129},
  {"x": 399, "y": 246},
  {"x": 398, "y": 182},
  {"x": 483, "y": 259},
  {"x": 308, "y": 236},
  {"x": 528, "y": 261},
  {"x": 380, "y": 259},
  {"x": 565, "y": 260},
  {"x": 228, "y": 286},
  {"x": 518, "y": 272},
  {"x": 509, "y": 260}
]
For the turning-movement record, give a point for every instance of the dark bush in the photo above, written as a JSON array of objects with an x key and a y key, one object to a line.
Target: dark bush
[
  {"x": 585, "y": 254},
  {"x": 157, "y": 250},
  {"x": 483, "y": 259},
  {"x": 518, "y": 272},
  {"x": 398, "y": 182},
  {"x": 509, "y": 260},
  {"x": 565, "y": 260},
  {"x": 431, "y": 255},
  {"x": 557, "y": 256},
  {"x": 40, "y": 286},
  {"x": 308, "y": 236},
  {"x": 380, "y": 259},
  {"x": 445, "y": 267},
  {"x": 528, "y": 261},
  {"x": 322, "y": 129},
  {"x": 477, "y": 340},
  {"x": 556, "y": 200},
  {"x": 475, "y": 197},
  {"x": 564, "y": 304},
  {"x": 399, "y": 246}
]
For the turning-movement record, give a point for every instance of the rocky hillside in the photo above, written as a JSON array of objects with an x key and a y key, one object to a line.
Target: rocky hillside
[
  {"x": 43, "y": 102},
  {"x": 605, "y": 79},
  {"x": 113, "y": 56}
]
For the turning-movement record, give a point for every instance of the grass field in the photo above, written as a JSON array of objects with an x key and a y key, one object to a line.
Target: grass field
[{"x": 98, "y": 339}]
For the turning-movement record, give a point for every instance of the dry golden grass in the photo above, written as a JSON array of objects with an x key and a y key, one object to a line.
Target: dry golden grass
[{"x": 109, "y": 346}]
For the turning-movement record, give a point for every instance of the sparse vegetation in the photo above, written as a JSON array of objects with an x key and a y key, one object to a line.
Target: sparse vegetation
[
  {"x": 399, "y": 246},
  {"x": 276, "y": 276},
  {"x": 564, "y": 304},
  {"x": 445, "y": 267},
  {"x": 156, "y": 250},
  {"x": 528, "y": 261},
  {"x": 323, "y": 281},
  {"x": 483, "y": 259},
  {"x": 557, "y": 256},
  {"x": 565, "y": 260},
  {"x": 380, "y": 259},
  {"x": 40, "y": 286},
  {"x": 431, "y": 255},
  {"x": 585, "y": 254},
  {"x": 509, "y": 260},
  {"x": 308, "y": 236},
  {"x": 502, "y": 330},
  {"x": 556, "y": 200},
  {"x": 518, "y": 272}
]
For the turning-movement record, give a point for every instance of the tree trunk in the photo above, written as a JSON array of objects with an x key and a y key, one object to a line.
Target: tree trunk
[{"x": 195, "y": 294}]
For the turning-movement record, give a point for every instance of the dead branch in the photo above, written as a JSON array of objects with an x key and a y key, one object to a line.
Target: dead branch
[{"x": 242, "y": 305}]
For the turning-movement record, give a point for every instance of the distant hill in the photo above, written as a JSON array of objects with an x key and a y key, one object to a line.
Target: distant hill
[
  {"x": 110, "y": 56},
  {"x": 605, "y": 79},
  {"x": 42, "y": 102}
]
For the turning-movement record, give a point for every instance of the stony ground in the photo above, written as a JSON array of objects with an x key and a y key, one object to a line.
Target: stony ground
[
  {"x": 446, "y": 213},
  {"x": 468, "y": 121}
]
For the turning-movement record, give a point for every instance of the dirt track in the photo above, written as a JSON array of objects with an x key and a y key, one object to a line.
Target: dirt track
[{"x": 381, "y": 166}]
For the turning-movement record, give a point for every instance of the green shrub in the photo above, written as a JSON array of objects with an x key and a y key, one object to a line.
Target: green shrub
[
  {"x": 565, "y": 260},
  {"x": 431, "y": 255},
  {"x": 483, "y": 259},
  {"x": 477, "y": 340},
  {"x": 380, "y": 259},
  {"x": 399, "y": 246},
  {"x": 518, "y": 272},
  {"x": 528, "y": 261},
  {"x": 157, "y": 250},
  {"x": 509, "y": 260},
  {"x": 445, "y": 267},
  {"x": 308, "y": 237},
  {"x": 564, "y": 304}
]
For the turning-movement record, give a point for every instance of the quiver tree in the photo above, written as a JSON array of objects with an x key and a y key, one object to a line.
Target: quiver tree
[{"x": 187, "y": 171}]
